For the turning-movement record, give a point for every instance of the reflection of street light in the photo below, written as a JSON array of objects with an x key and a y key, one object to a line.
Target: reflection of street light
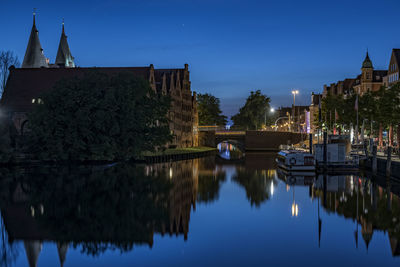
[
  {"x": 295, "y": 207},
  {"x": 272, "y": 188},
  {"x": 294, "y": 93}
]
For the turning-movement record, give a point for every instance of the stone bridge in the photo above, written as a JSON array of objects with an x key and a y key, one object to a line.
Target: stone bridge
[{"x": 251, "y": 140}]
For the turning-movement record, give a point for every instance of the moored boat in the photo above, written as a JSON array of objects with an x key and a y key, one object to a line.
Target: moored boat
[{"x": 295, "y": 160}]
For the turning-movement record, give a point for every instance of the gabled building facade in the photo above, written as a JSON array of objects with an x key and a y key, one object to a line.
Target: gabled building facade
[{"x": 393, "y": 70}]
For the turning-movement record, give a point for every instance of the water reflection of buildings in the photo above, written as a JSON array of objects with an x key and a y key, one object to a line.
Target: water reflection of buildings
[
  {"x": 373, "y": 204},
  {"x": 100, "y": 210},
  {"x": 182, "y": 195}
]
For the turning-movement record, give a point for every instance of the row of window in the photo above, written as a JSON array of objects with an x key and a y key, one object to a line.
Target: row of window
[
  {"x": 183, "y": 128},
  {"x": 37, "y": 101},
  {"x": 393, "y": 77},
  {"x": 393, "y": 67}
]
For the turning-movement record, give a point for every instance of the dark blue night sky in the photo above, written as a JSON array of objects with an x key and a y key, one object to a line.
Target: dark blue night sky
[{"x": 232, "y": 47}]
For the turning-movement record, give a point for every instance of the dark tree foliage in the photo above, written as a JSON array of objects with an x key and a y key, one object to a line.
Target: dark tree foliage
[
  {"x": 255, "y": 183},
  {"x": 111, "y": 209},
  {"x": 99, "y": 117},
  {"x": 209, "y": 185},
  {"x": 381, "y": 107},
  {"x": 209, "y": 110},
  {"x": 7, "y": 134},
  {"x": 252, "y": 115}
]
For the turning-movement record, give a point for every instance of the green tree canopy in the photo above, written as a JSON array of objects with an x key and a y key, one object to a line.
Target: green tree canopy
[
  {"x": 99, "y": 117},
  {"x": 252, "y": 114},
  {"x": 209, "y": 110}
]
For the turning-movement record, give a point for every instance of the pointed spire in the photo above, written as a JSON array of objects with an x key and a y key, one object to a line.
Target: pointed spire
[
  {"x": 62, "y": 249},
  {"x": 34, "y": 57},
  {"x": 63, "y": 31},
  {"x": 367, "y": 62},
  {"x": 32, "y": 250},
  {"x": 64, "y": 57}
]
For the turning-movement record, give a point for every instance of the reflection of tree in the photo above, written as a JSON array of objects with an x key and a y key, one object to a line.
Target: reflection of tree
[
  {"x": 255, "y": 183},
  {"x": 372, "y": 206},
  {"x": 209, "y": 186},
  {"x": 8, "y": 252},
  {"x": 111, "y": 209}
]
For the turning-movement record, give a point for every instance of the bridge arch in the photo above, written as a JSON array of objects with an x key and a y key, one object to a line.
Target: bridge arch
[{"x": 252, "y": 140}]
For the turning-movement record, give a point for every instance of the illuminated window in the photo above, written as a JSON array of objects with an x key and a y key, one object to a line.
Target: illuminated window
[{"x": 33, "y": 101}]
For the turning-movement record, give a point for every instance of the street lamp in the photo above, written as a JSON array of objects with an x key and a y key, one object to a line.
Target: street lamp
[
  {"x": 272, "y": 110},
  {"x": 294, "y": 93}
]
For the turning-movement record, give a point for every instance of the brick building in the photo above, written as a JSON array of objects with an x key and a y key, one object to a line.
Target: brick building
[
  {"x": 393, "y": 70},
  {"x": 37, "y": 75},
  {"x": 369, "y": 80}
]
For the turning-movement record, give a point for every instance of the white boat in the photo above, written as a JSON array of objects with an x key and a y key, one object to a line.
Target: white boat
[
  {"x": 297, "y": 177},
  {"x": 295, "y": 160}
]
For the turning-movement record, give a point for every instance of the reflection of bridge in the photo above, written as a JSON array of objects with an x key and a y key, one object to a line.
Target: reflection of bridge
[{"x": 250, "y": 140}]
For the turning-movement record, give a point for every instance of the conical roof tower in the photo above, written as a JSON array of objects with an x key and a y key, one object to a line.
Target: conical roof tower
[
  {"x": 34, "y": 57},
  {"x": 367, "y": 64},
  {"x": 64, "y": 57},
  {"x": 62, "y": 249},
  {"x": 32, "y": 250}
]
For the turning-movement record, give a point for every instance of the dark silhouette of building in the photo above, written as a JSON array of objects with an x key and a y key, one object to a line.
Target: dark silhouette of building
[{"x": 37, "y": 76}]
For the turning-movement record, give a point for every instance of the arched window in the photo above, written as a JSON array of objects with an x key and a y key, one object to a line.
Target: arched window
[{"x": 24, "y": 127}]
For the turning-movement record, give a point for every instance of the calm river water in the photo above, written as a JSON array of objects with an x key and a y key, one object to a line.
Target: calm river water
[{"x": 202, "y": 212}]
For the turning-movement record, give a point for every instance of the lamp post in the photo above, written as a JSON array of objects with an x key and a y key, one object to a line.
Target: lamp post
[
  {"x": 294, "y": 93},
  {"x": 272, "y": 110},
  {"x": 276, "y": 122}
]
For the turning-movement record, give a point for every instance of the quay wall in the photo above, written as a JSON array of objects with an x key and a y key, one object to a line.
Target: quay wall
[{"x": 381, "y": 166}]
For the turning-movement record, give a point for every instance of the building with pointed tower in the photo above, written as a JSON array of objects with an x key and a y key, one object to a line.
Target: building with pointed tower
[
  {"x": 64, "y": 57},
  {"x": 34, "y": 56},
  {"x": 369, "y": 80},
  {"x": 25, "y": 85}
]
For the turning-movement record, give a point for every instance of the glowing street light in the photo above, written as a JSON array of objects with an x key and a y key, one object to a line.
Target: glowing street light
[
  {"x": 294, "y": 93},
  {"x": 271, "y": 110}
]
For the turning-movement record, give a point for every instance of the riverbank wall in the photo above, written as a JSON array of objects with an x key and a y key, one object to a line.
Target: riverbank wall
[
  {"x": 148, "y": 157},
  {"x": 366, "y": 164}
]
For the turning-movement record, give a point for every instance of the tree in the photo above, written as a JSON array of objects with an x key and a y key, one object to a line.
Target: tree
[
  {"x": 388, "y": 109},
  {"x": 7, "y": 59},
  {"x": 7, "y": 139},
  {"x": 98, "y": 117},
  {"x": 209, "y": 110},
  {"x": 252, "y": 115}
]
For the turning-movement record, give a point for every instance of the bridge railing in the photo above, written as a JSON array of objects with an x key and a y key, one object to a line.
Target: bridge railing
[
  {"x": 229, "y": 132},
  {"x": 220, "y": 128}
]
